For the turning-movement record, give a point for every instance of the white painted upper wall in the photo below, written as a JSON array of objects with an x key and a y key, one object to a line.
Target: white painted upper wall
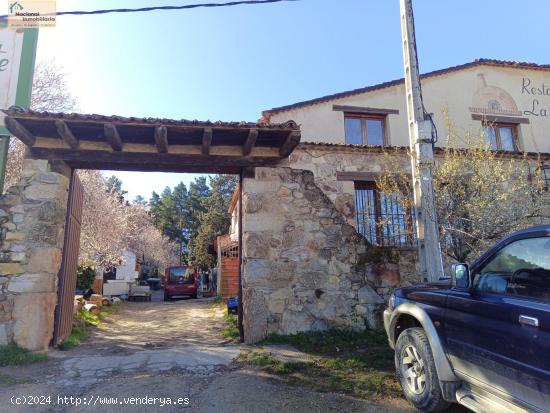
[
  {"x": 493, "y": 90},
  {"x": 127, "y": 270}
]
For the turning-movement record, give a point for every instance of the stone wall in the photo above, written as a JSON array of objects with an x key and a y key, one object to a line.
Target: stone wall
[
  {"x": 32, "y": 217},
  {"x": 305, "y": 267},
  {"x": 325, "y": 161}
]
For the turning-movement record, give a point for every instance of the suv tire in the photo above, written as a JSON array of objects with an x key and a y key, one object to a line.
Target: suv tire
[{"x": 416, "y": 371}]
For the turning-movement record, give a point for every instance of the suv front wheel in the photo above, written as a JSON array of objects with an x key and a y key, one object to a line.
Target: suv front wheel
[{"x": 416, "y": 371}]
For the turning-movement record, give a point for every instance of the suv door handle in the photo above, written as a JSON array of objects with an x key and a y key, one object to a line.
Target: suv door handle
[{"x": 529, "y": 321}]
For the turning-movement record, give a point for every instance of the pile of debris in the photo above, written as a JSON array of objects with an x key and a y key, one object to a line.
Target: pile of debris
[{"x": 93, "y": 303}]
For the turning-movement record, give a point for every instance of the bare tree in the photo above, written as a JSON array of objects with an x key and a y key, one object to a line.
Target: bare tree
[
  {"x": 108, "y": 225},
  {"x": 481, "y": 195},
  {"x": 49, "y": 93},
  {"x": 49, "y": 88}
]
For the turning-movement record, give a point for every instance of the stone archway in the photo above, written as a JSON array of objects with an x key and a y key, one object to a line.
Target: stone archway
[
  {"x": 303, "y": 266},
  {"x": 33, "y": 212}
]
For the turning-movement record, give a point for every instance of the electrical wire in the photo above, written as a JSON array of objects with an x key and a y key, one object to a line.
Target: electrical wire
[
  {"x": 427, "y": 116},
  {"x": 154, "y": 8}
]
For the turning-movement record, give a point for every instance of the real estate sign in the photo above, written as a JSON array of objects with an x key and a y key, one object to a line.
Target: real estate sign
[{"x": 17, "y": 58}]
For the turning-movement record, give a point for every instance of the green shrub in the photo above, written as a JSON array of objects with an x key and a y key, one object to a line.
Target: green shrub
[{"x": 84, "y": 277}]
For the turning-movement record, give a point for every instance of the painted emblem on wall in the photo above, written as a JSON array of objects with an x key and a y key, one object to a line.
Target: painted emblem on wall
[{"x": 493, "y": 100}]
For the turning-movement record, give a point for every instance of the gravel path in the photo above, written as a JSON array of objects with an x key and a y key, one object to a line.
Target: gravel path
[{"x": 164, "y": 357}]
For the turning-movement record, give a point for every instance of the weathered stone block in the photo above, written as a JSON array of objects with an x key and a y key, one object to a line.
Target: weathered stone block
[
  {"x": 32, "y": 283},
  {"x": 8, "y": 268},
  {"x": 15, "y": 236},
  {"x": 33, "y": 316},
  {"x": 388, "y": 273},
  {"x": 17, "y": 218},
  {"x": 293, "y": 238},
  {"x": 17, "y": 209},
  {"x": 295, "y": 322},
  {"x": 10, "y": 226},
  {"x": 48, "y": 211},
  {"x": 345, "y": 204},
  {"x": 48, "y": 177},
  {"x": 17, "y": 256},
  {"x": 367, "y": 295},
  {"x": 4, "y": 337},
  {"x": 17, "y": 247},
  {"x": 46, "y": 260},
  {"x": 283, "y": 192},
  {"x": 256, "y": 315},
  {"x": 35, "y": 165},
  {"x": 252, "y": 203},
  {"x": 255, "y": 246},
  {"x": 39, "y": 192},
  {"x": 43, "y": 233},
  {"x": 256, "y": 273},
  {"x": 299, "y": 253},
  {"x": 338, "y": 268}
]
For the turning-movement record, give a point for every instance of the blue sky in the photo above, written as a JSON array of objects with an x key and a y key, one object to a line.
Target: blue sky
[{"x": 232, "y": 63}]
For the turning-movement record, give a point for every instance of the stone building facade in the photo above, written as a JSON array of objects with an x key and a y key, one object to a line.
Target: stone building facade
[{"x": 305, "y": 265}]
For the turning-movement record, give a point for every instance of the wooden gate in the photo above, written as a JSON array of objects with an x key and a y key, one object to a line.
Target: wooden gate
[{"x": 67, "y": 275}]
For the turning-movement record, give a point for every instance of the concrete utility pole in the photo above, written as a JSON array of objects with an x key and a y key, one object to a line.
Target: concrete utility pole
[{"x": 421, "y": 135}]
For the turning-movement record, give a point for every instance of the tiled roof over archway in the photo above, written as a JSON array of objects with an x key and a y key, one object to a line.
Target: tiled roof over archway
[{"x": 147, "y": 144}]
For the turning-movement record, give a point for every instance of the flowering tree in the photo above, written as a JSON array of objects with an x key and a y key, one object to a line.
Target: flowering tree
[{"x": 110, "y": 226}]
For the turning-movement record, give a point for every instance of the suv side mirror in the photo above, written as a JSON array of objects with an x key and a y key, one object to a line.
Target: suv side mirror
[{"x": 460, "y": 275}]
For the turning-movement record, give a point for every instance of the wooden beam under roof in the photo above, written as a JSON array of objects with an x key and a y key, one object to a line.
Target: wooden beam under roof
[
  {"x": 20, "y": 132},
  {"x": 289, "y": 144},
  {"x": 161, "y": 139},
  {"x": 206, "y": 140},
  {"x": 66, "y": 134},
  {"x": 250, "y": 141},
  {"x": 111, "y": 134}
]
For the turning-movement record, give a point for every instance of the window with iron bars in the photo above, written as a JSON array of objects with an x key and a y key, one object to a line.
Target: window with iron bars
[
  {"x": 383, "y": 219},
  {"x": 546, "y": 175}
]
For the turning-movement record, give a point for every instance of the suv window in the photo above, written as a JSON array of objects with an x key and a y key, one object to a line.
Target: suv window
[{"x": 521, "y": 268}]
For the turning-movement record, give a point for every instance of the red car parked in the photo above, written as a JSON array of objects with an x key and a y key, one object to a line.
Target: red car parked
[{"x": 180, "y": 281}]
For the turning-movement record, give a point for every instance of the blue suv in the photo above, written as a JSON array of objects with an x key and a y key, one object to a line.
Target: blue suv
[{"x": 482, "y": 340}]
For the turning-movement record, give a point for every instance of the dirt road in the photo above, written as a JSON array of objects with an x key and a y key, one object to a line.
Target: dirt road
[{"x": 162, "y": 357}]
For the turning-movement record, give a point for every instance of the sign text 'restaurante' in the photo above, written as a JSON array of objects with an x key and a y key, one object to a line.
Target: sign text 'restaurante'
[{"x": 533, "y": 89}]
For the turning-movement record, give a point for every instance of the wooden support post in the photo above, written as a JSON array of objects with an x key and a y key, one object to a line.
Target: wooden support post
[
  {"x": 206, "y": 140},
  {"x": 65, "y": 134},
  {"x": 161, "y": 139},
  {"x": 111, "y": 134},
  {"x": 290, "y": 143},
  {"x": 20, "y": 132},
  {"x": 241, "y": 261},
  {"x": 250, "y": 141}
]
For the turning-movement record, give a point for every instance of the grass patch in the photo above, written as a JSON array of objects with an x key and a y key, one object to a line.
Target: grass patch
[
  {"x": 83, "y": 322},
  {"x": 78, "y": 335},
  {"x": 356, "y": 363},
  {"x": 231, "y": 330},
  {"x": 13, "y": 355}
]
